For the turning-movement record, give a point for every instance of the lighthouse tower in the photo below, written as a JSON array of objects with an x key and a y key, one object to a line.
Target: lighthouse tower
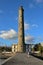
[{"x": 21, "y": 41}]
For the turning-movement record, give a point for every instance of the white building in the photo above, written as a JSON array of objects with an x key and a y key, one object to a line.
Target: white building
[{"x": 14, "y": 48}]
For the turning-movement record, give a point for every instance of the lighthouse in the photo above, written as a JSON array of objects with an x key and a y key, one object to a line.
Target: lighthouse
[{"x": 21, "y": 40}]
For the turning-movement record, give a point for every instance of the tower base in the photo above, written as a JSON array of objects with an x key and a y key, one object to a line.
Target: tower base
[{"x": 21, "y": 48}]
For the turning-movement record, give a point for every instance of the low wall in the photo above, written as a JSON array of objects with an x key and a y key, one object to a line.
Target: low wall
[{"x": 40, "y": 57}]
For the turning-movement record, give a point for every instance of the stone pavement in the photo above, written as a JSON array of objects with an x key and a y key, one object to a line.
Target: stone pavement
[{"x": 24, "y": 59}]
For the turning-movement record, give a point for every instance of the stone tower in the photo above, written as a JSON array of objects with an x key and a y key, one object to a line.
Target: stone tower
[{"x": 21, "y": 42}]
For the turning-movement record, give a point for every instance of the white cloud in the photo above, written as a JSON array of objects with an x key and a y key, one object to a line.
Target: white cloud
[
  {"x": 29, "y": 39},
  {"x": 39, "y": 38},
  {"x": 39, "y": 1},
  {"x": 12, "y": 35},
  {"x": 34, "y": 25},
  {"x": 26, "y": 26},
  {"x": 8, "y": 34},
  {"x": 2, "y": 31}
]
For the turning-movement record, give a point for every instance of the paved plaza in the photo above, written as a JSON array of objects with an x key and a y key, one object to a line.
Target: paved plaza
[{"x": 24, "y": 59}]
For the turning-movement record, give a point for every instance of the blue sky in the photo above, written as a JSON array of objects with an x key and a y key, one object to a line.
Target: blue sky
[{"x": 33, "y": 21}]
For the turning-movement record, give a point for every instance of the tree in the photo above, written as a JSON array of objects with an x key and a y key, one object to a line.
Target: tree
[
  {"x": 37, "y": 47},
  {"x": 41, "y": 49}
]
